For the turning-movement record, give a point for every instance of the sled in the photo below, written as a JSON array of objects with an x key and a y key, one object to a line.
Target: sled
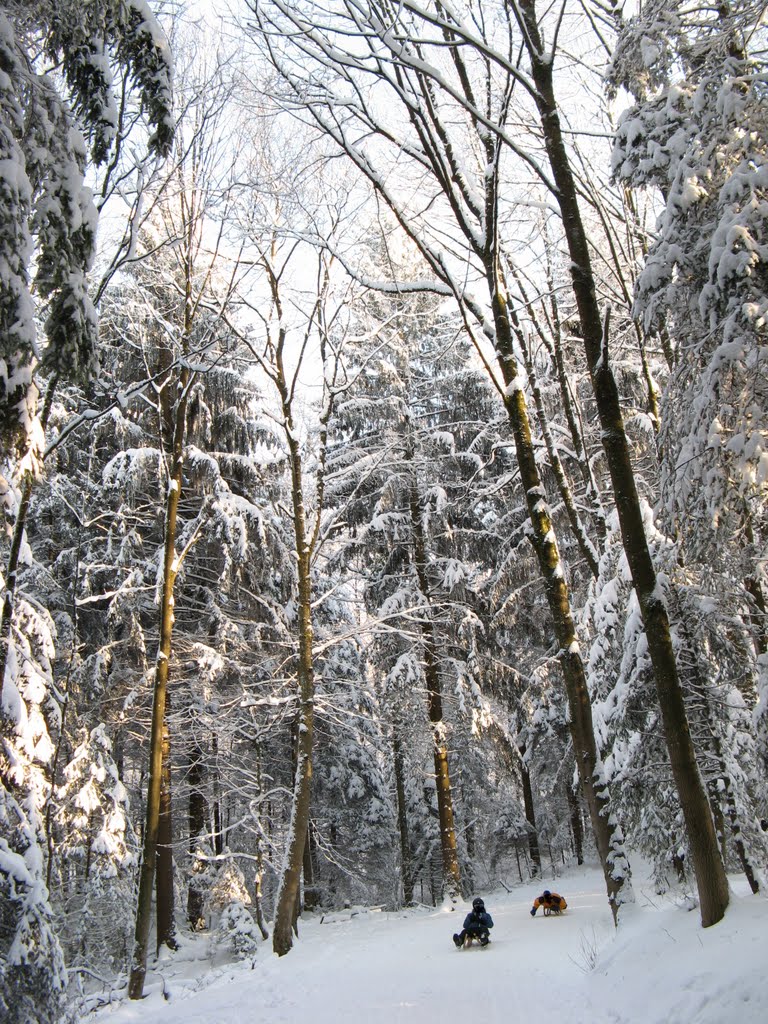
[{"x": 473, "y": 940}]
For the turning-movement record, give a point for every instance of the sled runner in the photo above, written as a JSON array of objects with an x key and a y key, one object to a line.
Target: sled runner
[{"x": 472, "y": 940}]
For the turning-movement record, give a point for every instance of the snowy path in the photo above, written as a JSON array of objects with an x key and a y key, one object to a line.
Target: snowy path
[{"x": 379, "y": 968}]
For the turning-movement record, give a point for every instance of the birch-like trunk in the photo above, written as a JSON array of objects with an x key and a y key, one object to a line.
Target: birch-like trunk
[{"x": 711, "y": 880}]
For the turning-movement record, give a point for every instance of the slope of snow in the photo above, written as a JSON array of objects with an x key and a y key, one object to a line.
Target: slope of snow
[{"x": 368, "y": 967}]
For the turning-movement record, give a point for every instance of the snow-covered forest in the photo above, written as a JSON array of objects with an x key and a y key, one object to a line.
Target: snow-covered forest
[{"x": 384, "y": 440}]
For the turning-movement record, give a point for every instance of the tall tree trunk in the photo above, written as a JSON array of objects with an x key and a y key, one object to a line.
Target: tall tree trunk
[
  {"x": 711, "y": 880},
  {"x": 608, "y": 835},
  {"x": 578, "y": 529},
  {"x": 290, "y": 880},
  {"x": 448, "y": 845},
  {"x": 311, "y": 895},
  {"x": 530, "y": 814},
  {"x": 758, "y": 607},
  {"x": 162, "y": 665},
  {"x": 553, "y": 344},
  {"x": 258, "y": 904},
  {"x": 406, "y": 867},
  {"x": 758, "y": 614},
  {"x": 164, "y": 895},
  {"x": 569, "y": 400},
  {"x": 576, "y": 830},
  {"x": 218, "y": 829},
  {"x": 196, "y": 820}
]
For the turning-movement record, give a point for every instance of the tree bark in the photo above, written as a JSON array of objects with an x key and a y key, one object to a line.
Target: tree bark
[
  {"x": 311, "y": 895},
  {"x": 608, "y": 836},
  {"x": 196, "y": 819},
  {"x": 576, "y": 829},
  {"x": 402, "y": 818},
  {"x": 708, "y": 867},
  {"x": 588, "y": 550},
  {"x": 758, "y": 608},
  {"x": 218, "y": 830},
  {"x": 448, "y": 845},
  {"x": 530, "y": 814},
  {"x": 164, "y": 895},
  {"x": 290, "y": 881},
  {"x": 162, "y": 665}
]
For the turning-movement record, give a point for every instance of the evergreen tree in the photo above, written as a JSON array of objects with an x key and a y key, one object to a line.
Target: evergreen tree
[{"x": 697, "y": 82}]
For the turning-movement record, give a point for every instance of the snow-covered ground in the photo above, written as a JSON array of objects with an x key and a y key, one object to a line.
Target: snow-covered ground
[{"x": 369, "y": 967}]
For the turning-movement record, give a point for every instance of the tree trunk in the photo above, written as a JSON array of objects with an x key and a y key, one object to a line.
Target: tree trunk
[
  {"x": 197, "y": 816},
  {"x": 448, "y": 846},
  {"x": 578, "y": 529},
  {"x": 758, "y": 609},
  {"x": 608, "y": 836},
  {"x": 164, "y": 896},
  {"x": 258, "y": 905},
  {"x": 311, "y": 895},
  {"x": 402, "y": 818},
  {"x": 530, "y": 814},
  {"x": 722, "y": 793},
  {"x": 290, "y": 880},
  {"x": 758, "y": 614},
  {"x": 576, "y": 830},
  {"x": 162, "y": 664},
  {"x": 218, "y": 831},
  {"x": 711, "y": 880}
]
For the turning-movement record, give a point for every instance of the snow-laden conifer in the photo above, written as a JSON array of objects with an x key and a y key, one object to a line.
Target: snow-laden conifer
[
  {"x": 47, "y": 214},
  {"x": 96, "y": 853},
  {"x": 697, "y": 133}
]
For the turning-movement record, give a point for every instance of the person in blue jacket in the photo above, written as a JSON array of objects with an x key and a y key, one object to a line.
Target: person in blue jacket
[{"x": 476, "y": 925}]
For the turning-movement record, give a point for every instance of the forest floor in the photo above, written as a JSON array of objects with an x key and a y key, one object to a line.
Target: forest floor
[{"x": 375, "y": 967}]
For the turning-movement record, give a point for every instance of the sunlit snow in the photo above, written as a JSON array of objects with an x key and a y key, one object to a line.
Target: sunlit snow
[{"x": 379, "y": 967}]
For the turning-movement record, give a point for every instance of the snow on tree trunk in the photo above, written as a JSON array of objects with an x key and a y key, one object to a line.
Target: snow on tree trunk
[
  {"x": 451, "y": 869},
  {"x": 710, "y": 873},
  {"x": 287, "y": 903}
]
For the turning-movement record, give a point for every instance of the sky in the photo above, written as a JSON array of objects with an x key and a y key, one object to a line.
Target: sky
[{"x": 363, "y": 966}]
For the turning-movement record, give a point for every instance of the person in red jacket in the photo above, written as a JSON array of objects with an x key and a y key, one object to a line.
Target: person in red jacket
[{"x": 550, "y": 901}]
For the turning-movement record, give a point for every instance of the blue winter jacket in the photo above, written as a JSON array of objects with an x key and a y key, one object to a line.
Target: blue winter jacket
[{"x": 474, "y": 921}]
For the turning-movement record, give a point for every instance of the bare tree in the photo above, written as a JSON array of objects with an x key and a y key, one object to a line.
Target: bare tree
[
  {"x": 448, "y": 198},
  {"x": 299, "y": 311},
  {"x": 191, "y": 296}
]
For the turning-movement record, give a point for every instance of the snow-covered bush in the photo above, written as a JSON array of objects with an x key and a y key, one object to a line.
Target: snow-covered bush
[
  {"x": 238, "y": 928},
  {"x": 96, "y": 855},
  {"x": 32, "y": 975}
]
